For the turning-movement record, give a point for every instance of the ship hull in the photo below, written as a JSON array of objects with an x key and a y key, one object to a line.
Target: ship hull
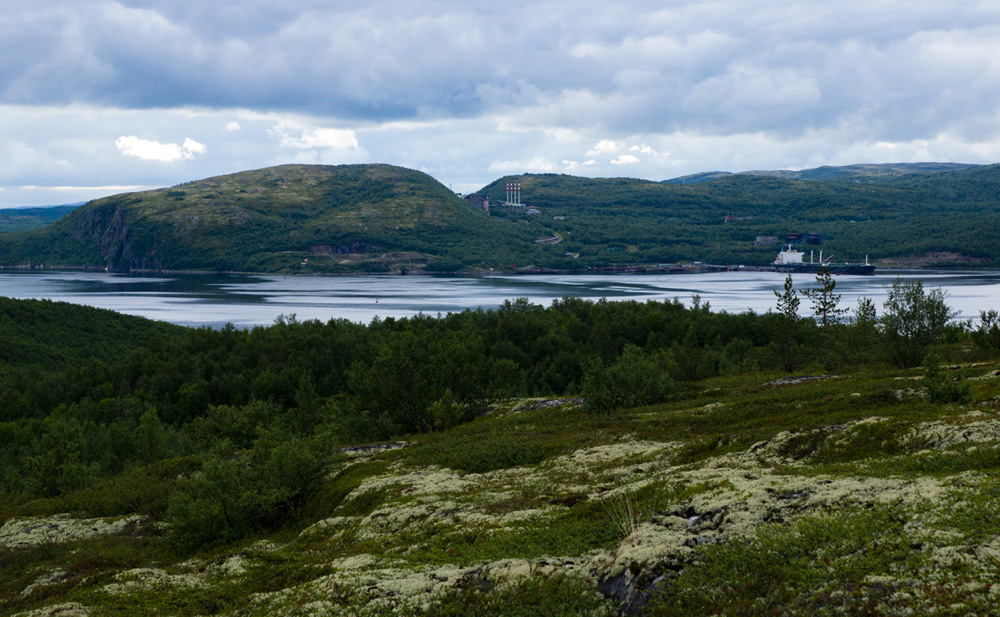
[{"x": 805, "y": 268}]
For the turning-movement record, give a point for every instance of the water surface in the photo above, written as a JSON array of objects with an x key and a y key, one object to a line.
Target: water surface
[{"x": 249, "y": 300}]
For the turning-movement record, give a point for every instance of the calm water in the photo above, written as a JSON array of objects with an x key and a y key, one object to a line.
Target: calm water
[{"x": 257, "y": 300}]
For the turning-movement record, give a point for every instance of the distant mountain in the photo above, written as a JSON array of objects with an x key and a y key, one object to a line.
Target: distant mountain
[
  {"x": 704, "y": 176},
  {"x": 858, "y": 172},
  {"x": 20, "y": 219}
]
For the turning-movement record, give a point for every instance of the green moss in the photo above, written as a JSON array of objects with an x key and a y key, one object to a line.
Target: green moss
[
  {"x": 551, "y": 596},
  {"x": 815, "y": 565}
]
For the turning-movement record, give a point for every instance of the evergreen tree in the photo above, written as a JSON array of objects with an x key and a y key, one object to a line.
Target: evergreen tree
[
  {"x": 825, "y": 306},
  {"x": 785, "y": 336}
]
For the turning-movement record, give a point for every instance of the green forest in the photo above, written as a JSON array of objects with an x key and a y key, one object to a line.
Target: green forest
[
  {"x": 628, "y": 221},
  {"x": 219, "y": 438}
]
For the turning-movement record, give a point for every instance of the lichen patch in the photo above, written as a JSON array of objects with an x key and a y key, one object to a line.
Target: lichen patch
[{"x": 21, "y": 532}]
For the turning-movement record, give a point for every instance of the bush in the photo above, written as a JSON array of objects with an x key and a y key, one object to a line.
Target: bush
[
  {"x": 230, "y": 499},
  {"x": 940, "y": 389},
  {"x": 552, "y": 596},
  {"x": 495, "y": 449},
  {"x": 635, "y": 379},
  {"x": 986, "y": 336},
  {"x": 913, "y": 321}
]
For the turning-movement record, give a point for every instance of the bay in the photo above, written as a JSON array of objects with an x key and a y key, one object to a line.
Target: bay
[{"x": 249, "y": 300}]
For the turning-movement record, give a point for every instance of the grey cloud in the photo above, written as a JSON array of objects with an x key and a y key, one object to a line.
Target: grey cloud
[
  {"x": 712, "y": 66},
  {"x": 489, "y": 83}
]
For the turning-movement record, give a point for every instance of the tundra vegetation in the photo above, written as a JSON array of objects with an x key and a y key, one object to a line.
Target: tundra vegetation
[{"x": 595, "y": 458}]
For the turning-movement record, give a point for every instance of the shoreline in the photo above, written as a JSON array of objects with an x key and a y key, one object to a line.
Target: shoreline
[{"x": 640, "y": 269}]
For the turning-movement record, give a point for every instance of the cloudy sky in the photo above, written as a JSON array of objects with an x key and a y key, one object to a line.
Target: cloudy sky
[{"x": 104, "y": 97}]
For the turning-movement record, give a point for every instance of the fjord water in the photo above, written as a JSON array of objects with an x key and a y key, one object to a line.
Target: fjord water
[{"x": 249, "y": 300}]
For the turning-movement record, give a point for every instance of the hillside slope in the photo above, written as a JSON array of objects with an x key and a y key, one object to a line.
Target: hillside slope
[
  {"x": 952, "y": 214},
  {"x": 380, "y": 218},
  {"x": 494, "y": 463},
  {"x": 20, "y": 219},
  {"x": 849, "y": 492},
  {"x": 860, "y": 172},
  {"x": 339, "y": 218}
]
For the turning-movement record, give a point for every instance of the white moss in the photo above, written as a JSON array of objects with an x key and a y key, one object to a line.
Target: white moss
[
  {"x": 231, "y": 566},
  {"x": 66, "y": 609},
  {"x": 972, "y": 427},
  {"x": 52, "y": 577},
  {"x": 152, "y": 578},
  {"x": 330, "y": 527},
  {"x": 20, "y": 532}
]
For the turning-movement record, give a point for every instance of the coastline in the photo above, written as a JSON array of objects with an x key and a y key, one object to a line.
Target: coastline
[{"x": 631, "y": 269}]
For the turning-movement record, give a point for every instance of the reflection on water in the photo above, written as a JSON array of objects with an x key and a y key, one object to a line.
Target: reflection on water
[{"x": 248, "y": 300}]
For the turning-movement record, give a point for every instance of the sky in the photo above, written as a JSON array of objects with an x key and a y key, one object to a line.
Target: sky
[{"x": 98, "y": 98}]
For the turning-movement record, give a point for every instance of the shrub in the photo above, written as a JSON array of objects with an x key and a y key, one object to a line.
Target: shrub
[
  {"x": 913, "y": 321},
  {"x": 230, "y": 499},
  {"x": 987, "y": 334},
  {"x": 635, "y": 379},
  {"x": 550, "y": 596},
  {"x": 939, "y": 389}
]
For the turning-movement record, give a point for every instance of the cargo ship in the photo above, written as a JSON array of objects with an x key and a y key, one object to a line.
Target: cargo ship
[{"x": 792, "y": 261}]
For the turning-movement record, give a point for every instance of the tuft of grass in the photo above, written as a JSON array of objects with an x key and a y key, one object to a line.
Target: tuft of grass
[{"x": 623, "y": 514}]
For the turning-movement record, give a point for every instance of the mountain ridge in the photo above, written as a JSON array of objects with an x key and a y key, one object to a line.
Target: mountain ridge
[
  {"x": 856, "y": 172},
  {"x": 383, "y": 218}
]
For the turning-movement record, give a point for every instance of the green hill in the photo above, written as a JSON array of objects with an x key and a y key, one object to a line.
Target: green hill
[
  {"x": 19, "y": 219},
  {"x": 947, "y": 217},
  {"x": 380, "y": 218},
  {"x": 861, "y": 172},
  {"x": 342, "y": 218}
]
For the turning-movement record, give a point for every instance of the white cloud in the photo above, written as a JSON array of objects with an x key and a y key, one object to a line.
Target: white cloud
[
  {"x": 121, "y": 188},
  {"x": 191, "y": 147},
  {"x": 233, "y": 126},
  {"x": 606, "y": 146},
  {"x": 148, "y": 150},
  {"x": 340, "y": 139},
  {"x": 625, "y": 159},
  {"x": 534, "y": 164}
]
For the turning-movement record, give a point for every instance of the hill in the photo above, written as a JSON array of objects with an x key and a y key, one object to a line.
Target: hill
[
  {"x": 339, "y": 469},
  {"x": 947, "y": 217},
  {"x": 20, "y": 219},
  {"x": 339, "y": 218},
  {"x": 859, "y": 172},
  {"x": 380, "y": 218}
]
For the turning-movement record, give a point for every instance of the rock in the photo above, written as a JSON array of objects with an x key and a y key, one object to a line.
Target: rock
[
  {"x": 630, "y": 591},
  {"x": 48, "y": 578},
  {"x": 68, "y": 609}
]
